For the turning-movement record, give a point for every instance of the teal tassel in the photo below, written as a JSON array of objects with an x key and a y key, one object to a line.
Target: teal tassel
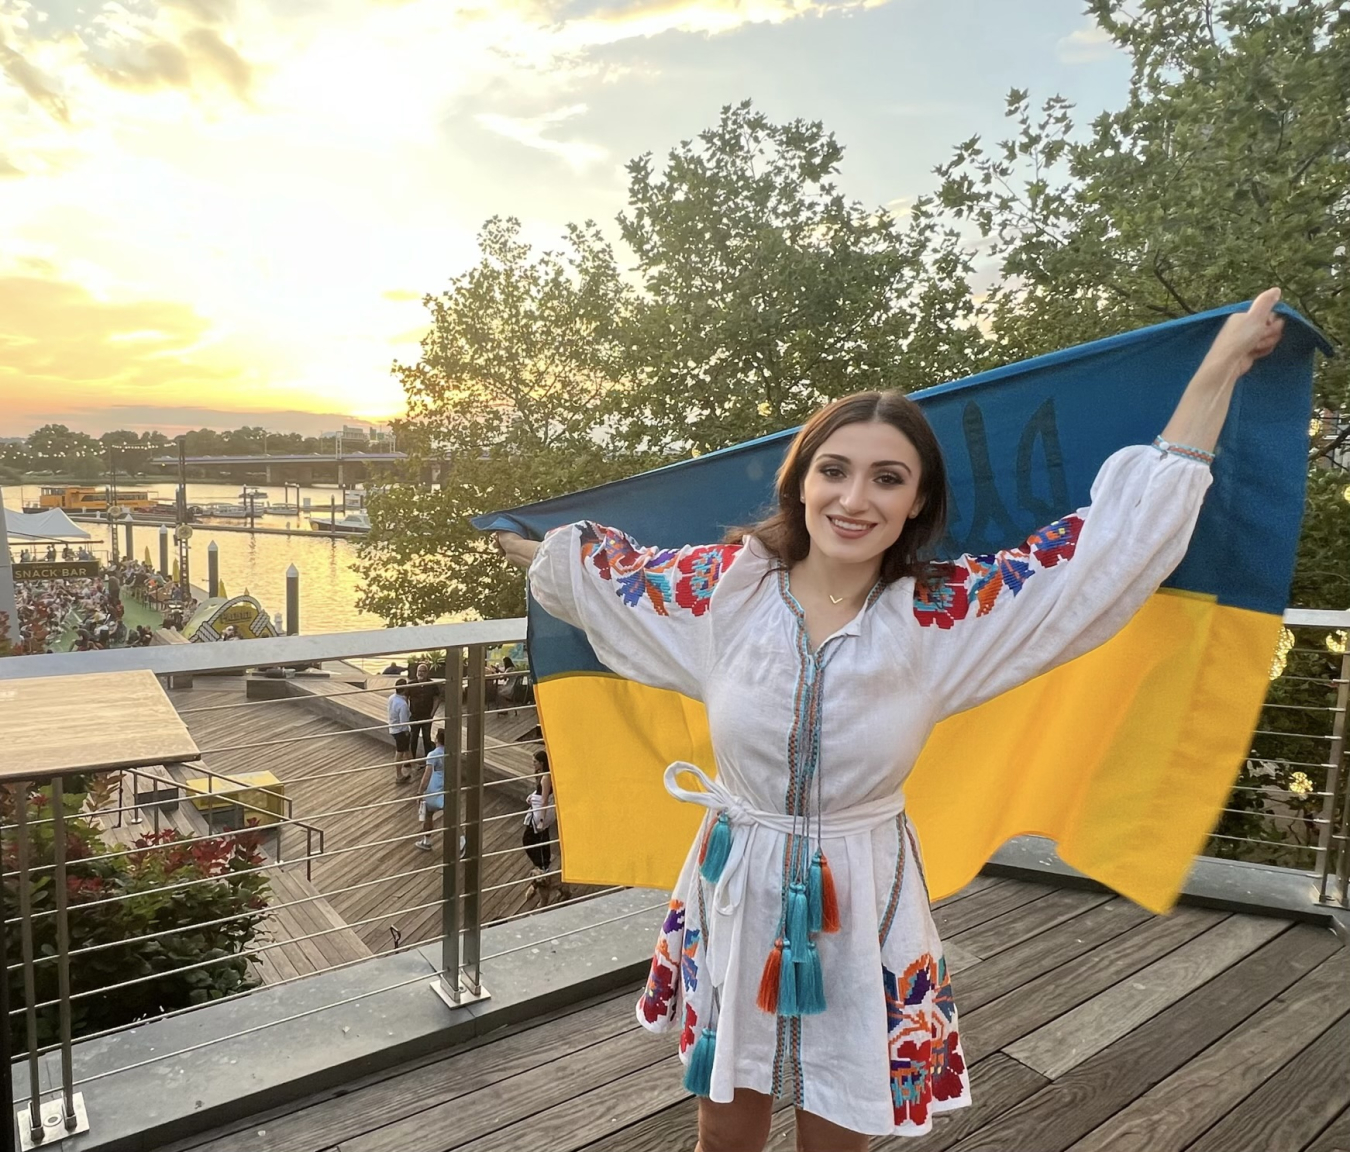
[
  {"x": 797, "y": 920},
  {"x": 814, "y": 895},
  {"x": 810, "y": 984},
  {"x": 719, "y": 849},
  {"x": 787, "y": 984},
  {"x": 698, "y": 1073}
]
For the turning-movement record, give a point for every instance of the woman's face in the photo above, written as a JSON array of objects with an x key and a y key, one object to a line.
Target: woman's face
[{"x": 860, "y": 490}]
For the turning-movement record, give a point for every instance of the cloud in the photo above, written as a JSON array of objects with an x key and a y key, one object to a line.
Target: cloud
[
  {"x": 8, "y": 168},
  {"x": 39, "y": 88},
  {"x": 529, "y": 131},
  {"x": 400, "y": 295},
  {"x": 60, "y": 344},
  {"x": 146, "y": 65},
  {"x": 229, "y": 66},
  {"x": 206, "y": 11},
  {"x": 1085, "y": 46}
]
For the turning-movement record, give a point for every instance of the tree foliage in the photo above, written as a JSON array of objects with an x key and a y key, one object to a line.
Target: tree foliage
[
  {"x": 766, "y": 292},
  {"x": 502, "y": 407}
]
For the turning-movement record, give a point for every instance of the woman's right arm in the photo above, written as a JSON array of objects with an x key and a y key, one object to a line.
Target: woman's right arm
[{"x": 516, "y": 548}]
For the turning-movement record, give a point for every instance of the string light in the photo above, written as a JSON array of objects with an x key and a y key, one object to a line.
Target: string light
[
  {"x": 1281, "y": 657},
  {"x": 1299, "y": 784},
  {"x": 1315, "y": 428},
  {"x": 1336, "y": 642}
]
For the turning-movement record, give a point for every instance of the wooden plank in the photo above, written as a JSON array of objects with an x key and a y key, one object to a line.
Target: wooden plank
[
  {"x": 1046, "y": 952},
  {"x": 1012, "y": 928},
  {"x": 999, "y": 1022},
  {"x": 1291, "y": 1108},
  {"x": 1091, "y": 1094},
  {"x": 1069, "y": 1040},
  {"x": 979, "y": 884},
  {"x": 481, "y": 1118},
  {"x": 955, "y": 918},
  {"x": 135, "y": 722},
  {"x": 1336, "y": 1136},
  {"x": 585, "y": 1118},
  {"x": 1221, "y": 1077},
  {"x": 672, "y": 1129},
  {"x": 400, "y": 1094}
]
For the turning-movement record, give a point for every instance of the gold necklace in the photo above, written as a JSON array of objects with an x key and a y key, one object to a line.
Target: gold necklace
[{"x": 835, "y": 599}]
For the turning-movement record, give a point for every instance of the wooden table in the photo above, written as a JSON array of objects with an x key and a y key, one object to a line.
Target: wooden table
[{"x": 89, "y": 722}]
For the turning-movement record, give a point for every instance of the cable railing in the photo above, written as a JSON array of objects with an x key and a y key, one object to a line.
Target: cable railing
[
  {"x": 290, "y": 846},
  {"x": 286, "y": 849}
]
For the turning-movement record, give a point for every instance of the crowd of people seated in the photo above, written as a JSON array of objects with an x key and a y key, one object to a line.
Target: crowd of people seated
[{"x": 93, "y": 607}]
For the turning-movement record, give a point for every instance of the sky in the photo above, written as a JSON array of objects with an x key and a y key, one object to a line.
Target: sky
[{"x": 227, "y": 212}]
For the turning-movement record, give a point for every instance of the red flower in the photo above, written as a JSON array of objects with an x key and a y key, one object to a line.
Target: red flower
[{"x": 690, "y": 1035}]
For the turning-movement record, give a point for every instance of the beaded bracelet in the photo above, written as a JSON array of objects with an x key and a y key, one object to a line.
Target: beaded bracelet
[{"x": 1183, "y": 450}]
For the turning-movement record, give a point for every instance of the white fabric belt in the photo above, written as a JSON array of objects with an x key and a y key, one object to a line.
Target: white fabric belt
[{"x": 730, "y": 889}]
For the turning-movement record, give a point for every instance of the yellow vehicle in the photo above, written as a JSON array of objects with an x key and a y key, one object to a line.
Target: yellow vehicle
[{"x": 76, "y": 499}]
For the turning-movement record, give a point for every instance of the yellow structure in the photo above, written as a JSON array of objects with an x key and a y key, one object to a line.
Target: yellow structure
[
  {"x": 78, "y": 499},
  {"x": 236, "y": 801}
]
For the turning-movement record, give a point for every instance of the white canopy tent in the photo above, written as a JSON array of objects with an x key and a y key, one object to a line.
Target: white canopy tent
[{"x": 53, "y": 524}]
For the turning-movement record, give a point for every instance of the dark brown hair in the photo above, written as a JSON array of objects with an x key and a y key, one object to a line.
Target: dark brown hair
[{"x": 783, "y": 532}]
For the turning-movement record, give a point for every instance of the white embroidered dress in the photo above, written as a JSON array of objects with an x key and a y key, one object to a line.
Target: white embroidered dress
[{"x": 834, "y": 733}]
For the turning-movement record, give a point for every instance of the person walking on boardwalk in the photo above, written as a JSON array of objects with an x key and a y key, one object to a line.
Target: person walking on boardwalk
[
  {"x": 423, "y": 696},
  {"x": 399, "y": 728},
  {"x": 432, "y": 790},
  {"x": 799, "y": 957}
]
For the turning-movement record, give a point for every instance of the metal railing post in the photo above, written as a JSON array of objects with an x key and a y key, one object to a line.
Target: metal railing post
[
  {"x": 1334, "y": 842},
  {"x": 34, "y": 1110},
  {"x": 447, "y": 984},
  {"x": 69, "y": 1119},
  {"x": 473, "y": 811}
]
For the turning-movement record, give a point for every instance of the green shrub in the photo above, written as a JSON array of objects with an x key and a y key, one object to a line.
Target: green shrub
[{"x": 234, "y": 892}]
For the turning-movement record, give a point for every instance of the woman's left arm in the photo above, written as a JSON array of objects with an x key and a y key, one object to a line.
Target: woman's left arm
[
  {"x": 1244, "y": 339},
  {"x": 995, "y": 621}
]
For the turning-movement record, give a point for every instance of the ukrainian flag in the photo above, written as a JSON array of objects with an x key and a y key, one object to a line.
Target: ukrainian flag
[{"x": 1124, "y": 756}]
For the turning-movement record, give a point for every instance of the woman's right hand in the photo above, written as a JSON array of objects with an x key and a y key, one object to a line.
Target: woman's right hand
[{"x": 516, "y": 548}]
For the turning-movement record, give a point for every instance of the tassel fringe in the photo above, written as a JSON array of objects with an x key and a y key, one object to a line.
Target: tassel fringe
[
  {"x": 798, "y": 921},
  {"x": 698, "y": 1073},
  {"x": 787, "y": 983},
  {"x": 716, "y": 850},
  {"x": 829, "y": 900},
  {"x": 810, "y": 983},
  {"x": 769, "y": 980}
]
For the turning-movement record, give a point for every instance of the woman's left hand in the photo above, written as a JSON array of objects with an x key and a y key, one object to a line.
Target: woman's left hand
[{"x": 1247, "y": 336}]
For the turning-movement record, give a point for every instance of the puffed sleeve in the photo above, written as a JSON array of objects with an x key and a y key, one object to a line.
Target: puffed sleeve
[
  {"x": 645, "y": 611},
  {"x": 998, "y": 620}
]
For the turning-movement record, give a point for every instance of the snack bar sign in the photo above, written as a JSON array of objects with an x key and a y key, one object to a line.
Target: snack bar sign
[{"x": 56, "y": 570}]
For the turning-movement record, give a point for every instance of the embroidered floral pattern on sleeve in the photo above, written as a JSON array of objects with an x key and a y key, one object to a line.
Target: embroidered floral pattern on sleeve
[
  {"x": 683, "y": 577},
  {"x": 925, "y": 1051},
  {"x": 659, "y": 1000},
  {"x": 983, "y": 580}
]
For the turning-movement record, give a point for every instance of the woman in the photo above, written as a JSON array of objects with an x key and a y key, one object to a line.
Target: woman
[
  {"x": 432, "y": 790},
  {"x": 799, "y": 956}
]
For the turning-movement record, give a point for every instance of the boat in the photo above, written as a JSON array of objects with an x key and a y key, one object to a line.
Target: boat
[
  {"x": 81, "y": 498},
  {"x": 354, "y": 523},
  {"x": 282, "y": 509}
]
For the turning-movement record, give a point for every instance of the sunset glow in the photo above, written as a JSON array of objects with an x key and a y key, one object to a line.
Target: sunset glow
[{"x": 229, "y": 206}]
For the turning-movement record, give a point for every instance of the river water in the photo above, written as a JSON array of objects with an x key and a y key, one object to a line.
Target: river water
[{"x": 255, "y": 562}]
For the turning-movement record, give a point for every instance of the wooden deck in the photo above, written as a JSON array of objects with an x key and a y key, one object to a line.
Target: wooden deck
[
  {"x": 1090, "y": 1026},
  {"x": 371, "y": 877}
]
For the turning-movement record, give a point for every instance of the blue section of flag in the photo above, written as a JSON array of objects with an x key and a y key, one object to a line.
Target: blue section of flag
[{"x": 1023, "y": 444}]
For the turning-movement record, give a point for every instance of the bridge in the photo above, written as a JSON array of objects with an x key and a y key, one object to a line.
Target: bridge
[{"x": 298, "y": 467}]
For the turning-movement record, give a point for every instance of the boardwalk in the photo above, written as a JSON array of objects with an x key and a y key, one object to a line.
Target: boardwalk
[
  {"x": 379, "y": 891},
  {"x": 1090, "y": 1026}
]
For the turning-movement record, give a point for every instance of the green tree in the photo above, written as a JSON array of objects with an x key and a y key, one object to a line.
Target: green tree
[
  {"x": 767, "y": 292},
  {"x": 502, "y": 407}
]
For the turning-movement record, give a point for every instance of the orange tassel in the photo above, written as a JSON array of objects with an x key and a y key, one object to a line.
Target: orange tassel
[
  {"x": 829, "y": 902},
  {"x": 703, "y": 848},
  {"x": 768, "y": 982}
]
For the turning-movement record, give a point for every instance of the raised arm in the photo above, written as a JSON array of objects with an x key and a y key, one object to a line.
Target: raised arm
[{"x": 995, "y": 621}]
